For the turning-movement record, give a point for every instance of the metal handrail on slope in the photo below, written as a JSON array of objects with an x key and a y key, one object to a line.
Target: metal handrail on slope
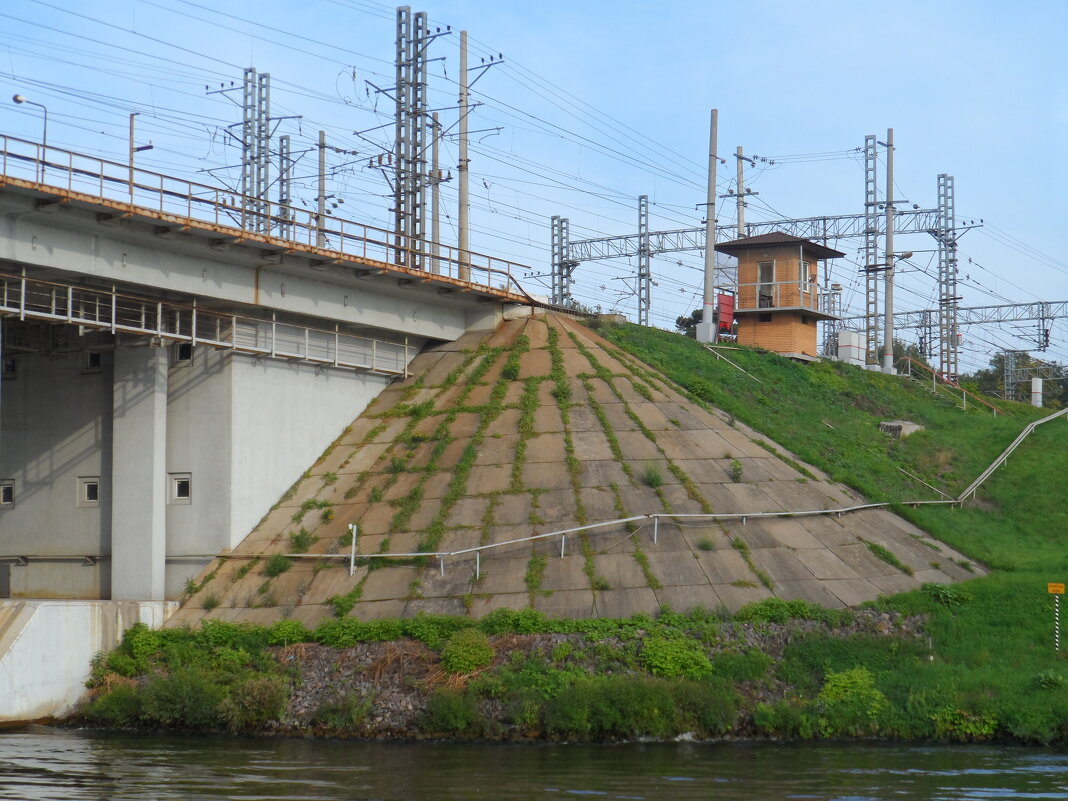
[
  {"x": 1030, "y": 427},
  {"x": 935, "y": 379}
]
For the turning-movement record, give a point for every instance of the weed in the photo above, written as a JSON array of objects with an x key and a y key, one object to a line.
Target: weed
[
  {"x": 211, "y": 601},
  {"x": 535, "y": 573},
  {"x": 301, "y": 541},
  {"x": 651, "y": 581},
  {"x": 276, "y": 565},
  {"x": 735, "y": 471},
  {"x": 375, "y": 495},
  {"x": 706, "y": 544},
  {"x": 329, "y": 478},
  {"x": 651, "y": 476},
  {"x": 887, "y": 556},
  {"x": 466, "y": 651}
]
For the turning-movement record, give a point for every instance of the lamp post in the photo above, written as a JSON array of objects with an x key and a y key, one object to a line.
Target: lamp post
[{"x": 44, "y": 139}]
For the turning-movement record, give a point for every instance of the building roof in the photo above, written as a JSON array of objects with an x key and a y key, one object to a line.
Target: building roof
[{"x": 777, "y": 239}]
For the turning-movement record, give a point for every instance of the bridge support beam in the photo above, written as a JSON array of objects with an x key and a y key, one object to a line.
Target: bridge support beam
[{"x": 138, "y": 474}]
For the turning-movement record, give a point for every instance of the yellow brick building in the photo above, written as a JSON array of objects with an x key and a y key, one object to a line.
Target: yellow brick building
[{"x": 778, "y": 303}]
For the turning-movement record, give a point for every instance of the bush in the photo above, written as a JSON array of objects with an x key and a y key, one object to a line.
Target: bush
[
  {"x": 788, "y": 719},
  {"x": 707, "y": 707},
  {"x": 348, "y": 631},
  {"x": 519, "y": 621},
  {"x": 850, "y": 704},
  {"x": 449, "y": 712},
  {"x": 255, "y": 703},
  {"x": 676, "y": 657},
  {"x": 434, "y": 630},
  {"x": 741, "y": 665},
  {"x": 141, "y": 643},
  {"x": 345, "y": 714},
  {"x": 614, "y": 706},
  {"x": 466, "y": 651},
  {"x": 184, "y": 700},
  {"x": 118, "y": 708},
  {"x": 284, "y": 632},
  {"x": 778, "y": 610}
]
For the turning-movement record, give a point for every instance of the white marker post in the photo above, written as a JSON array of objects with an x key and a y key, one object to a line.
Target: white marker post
[
  {"x": 352, "y": 554},
  {"x": 1056, "y": 590}
]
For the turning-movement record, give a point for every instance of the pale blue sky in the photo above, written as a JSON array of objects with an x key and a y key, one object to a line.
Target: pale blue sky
[{"x": 599, "y": 102}]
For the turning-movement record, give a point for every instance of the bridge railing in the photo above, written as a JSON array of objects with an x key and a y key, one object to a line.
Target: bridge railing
[
  {"x": 103, "y": 310},
  {"x": 241, "y": 217}
]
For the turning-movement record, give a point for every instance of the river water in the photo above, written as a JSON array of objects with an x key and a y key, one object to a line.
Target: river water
[{"x": 54, "y": 764}]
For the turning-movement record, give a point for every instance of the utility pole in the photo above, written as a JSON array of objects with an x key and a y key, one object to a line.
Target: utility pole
[
  {"x": 948, "y": 300},
  {"x": 741, "y": 192},
  {"x": 134, "y": 149},
  {"x": 285, "y": 173},
  {"x": 463, "y": 245},
  {"x": 435, "y": 197},
  {"x": 645, "y": 258},
  {"x": 888, "y": 313},
  {"x": 708, "y": 328},
  {"x": 320, "y": 217},
  {"x": 871, "y": 250}
]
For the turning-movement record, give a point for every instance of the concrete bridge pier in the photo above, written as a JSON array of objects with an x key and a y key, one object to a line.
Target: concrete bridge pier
[{"x": 139, "y": 474}]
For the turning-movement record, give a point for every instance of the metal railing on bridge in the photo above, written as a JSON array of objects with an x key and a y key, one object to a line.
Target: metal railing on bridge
[
  {"x": 177, "y": 200},
  {"x": 103, "y": 310}
]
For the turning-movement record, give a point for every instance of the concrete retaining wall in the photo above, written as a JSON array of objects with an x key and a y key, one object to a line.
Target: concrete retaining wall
[{"x": 47, "y": 648}]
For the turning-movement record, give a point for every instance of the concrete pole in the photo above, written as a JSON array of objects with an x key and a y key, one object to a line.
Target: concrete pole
[
  {"x": 1036, "y": 392},
  {"x": 134, "y": 114},
  {"x": 707, "y": 329},
  {"x": 320, "y": 239},
  {"x": 888, "y": 313},
  {"x": 741, "y": 192},
  {"x": 463, "y": 246},
  {"x": 435, "y": 196}
]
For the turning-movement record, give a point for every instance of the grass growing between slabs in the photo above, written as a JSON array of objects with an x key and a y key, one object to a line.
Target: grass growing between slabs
[{"x": 992, "y": 670}]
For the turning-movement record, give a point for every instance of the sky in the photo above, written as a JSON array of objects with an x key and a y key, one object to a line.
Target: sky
[{"x": 599, "y": 102}]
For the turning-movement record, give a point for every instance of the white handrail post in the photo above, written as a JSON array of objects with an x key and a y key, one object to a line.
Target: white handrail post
[
  {"x": 352, "y": 553},
  {"x": 478, "y": 565},
  {"x": 441, "y": 565},
  {"x": 563, "y": 539},
  {"x": 656, "y": 528}
]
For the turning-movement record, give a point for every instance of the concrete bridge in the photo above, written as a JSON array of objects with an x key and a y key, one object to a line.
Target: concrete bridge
[{"x": 172, "y": 362}]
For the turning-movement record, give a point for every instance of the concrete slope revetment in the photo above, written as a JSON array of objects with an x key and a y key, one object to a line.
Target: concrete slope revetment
[{"x": 538, "y": 427}]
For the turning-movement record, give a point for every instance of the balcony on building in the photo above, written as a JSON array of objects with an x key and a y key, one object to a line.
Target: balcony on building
[{"x": 779, "y": 302}]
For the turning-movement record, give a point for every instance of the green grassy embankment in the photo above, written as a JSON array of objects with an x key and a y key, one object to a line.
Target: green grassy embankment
[
  {"x": 985, "y": 667},
  {"x": 994, "y": 671}
]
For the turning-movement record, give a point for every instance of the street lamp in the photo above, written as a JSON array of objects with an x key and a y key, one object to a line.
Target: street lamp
[{"x": 44, "y": 139}]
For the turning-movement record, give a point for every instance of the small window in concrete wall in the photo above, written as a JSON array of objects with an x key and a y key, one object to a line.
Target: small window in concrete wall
[
  {"x": 181, "y": 354},
  {"x": 181, "y": 488},
  {"x": 7, "y": 492},
  {"x": 91, "y": 361},
  {"x": 89, "y": 491},
  {"x": 8, "y": 367}
]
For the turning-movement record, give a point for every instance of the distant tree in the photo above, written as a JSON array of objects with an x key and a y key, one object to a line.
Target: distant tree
[
  {"x": 991, "y": 381},
  {"x": 688, "y": 325}
]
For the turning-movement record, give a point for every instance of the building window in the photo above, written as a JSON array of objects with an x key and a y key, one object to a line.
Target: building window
[
  {"x": 765, "y": 284},
  {"x": 763, "y": 318},
  {"x": 91, "y": 362},
  {"x": 181, "y": 353},
  {"x": 8, "y": 367},
  {"x": 7, "y": 492},
  {"x": 89, "y": 491},
  {"x": 181, "y": 488}
]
